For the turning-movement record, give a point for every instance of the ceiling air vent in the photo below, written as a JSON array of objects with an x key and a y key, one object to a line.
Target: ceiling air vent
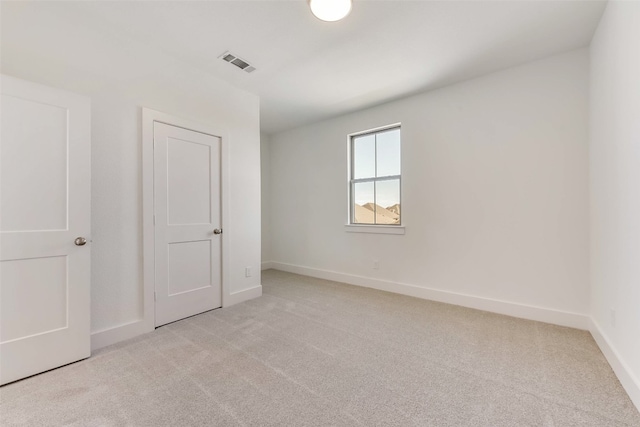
[{"x": 240, "y": 63}]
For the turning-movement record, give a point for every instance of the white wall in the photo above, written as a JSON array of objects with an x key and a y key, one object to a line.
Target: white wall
[
  {"x": 615, "y": 190},
  {"x": 265, "y": 173},
  {"x": 45, "y": 42},
  {"x": 495, "y": 195}
]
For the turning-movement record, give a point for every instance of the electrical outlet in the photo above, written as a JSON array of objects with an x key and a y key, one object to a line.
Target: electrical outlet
[
  {"x": 376, "y": 265},
  {"x": 613, "y": 318},
  {"x": 247, "y": 272}
]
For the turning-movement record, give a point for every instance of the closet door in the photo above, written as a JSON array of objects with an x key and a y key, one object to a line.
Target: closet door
[{"x": 188, "y": 240}]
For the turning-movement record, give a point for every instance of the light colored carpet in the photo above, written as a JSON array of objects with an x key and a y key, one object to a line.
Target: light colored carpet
[{"x": 314, "y": 352}]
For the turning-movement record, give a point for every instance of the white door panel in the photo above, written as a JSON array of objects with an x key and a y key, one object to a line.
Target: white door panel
[
  {"x": 189, "y": 192},
  {"x": 192, "y": 260},
  {"x": 39, "y": 168},
  {"x": 46, "y": 277},
  {"x": 187, "y": 210},
  {"x": 44, "y": 205}
]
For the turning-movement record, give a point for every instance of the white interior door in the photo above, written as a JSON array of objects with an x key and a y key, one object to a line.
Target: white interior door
[
  {"x": 45, "y": 184},
  {"x": 187, "y": 222}
]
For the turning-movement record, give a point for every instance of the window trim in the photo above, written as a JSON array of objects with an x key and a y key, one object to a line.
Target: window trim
[
  {"x": 370, "y": 228},
  {"x": 375, "y": 228}
]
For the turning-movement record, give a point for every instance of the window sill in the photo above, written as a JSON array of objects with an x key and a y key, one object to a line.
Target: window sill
[{"x": 374, "y": 229}]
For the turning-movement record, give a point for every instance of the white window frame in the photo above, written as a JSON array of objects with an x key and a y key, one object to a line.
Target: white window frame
[{"x": 350, "y": 226}]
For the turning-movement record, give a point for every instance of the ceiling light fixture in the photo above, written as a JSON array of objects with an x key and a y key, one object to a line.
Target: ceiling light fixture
[{"x": 330, "y": 10}]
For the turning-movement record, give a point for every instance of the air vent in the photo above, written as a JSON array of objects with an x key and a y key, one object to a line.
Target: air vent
[{"x": 240, "y": 63}]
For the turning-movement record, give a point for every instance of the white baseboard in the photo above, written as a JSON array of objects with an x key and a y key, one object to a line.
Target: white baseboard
[
  {"x": 630, "y": 383},
  {"x": 556, "y": 317},
  {"x": 109, "y": 336},
  {"x": 266, "y": 265},
  {"x": 116, "y": 334},
  {"x": 244, "y": 295}
]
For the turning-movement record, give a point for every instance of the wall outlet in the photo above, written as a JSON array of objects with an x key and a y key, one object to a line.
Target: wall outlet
[
  {"x": 247, "y": 272},
  {"x": 376, "y": 265},
  {"x": 613, "y": 318}
]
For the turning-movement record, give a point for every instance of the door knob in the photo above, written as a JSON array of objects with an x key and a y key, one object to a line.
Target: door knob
[
  {"x": 217, "y": 231},
  {"x": 80, "y": 241}
]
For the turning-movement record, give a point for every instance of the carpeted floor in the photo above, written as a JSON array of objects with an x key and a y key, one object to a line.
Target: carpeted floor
[{"x": 313, "y": 352}]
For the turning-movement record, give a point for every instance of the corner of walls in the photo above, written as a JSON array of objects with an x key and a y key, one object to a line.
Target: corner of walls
[
  {"x": 614, "y": 190},
  {"x": 622, "y": 370},
  {"x": 265, "y": 189},
  {"x": 266, "y": 265}
]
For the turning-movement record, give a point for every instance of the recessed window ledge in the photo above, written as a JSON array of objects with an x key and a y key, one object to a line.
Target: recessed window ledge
[{"x": 375, "y": 229}]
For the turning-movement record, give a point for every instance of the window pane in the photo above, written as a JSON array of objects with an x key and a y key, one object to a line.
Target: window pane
[
  {"x": 388, "y": 202},
  {"x": 363, "y": 203},
  {"x": 364, "y": 157},
  {"x": 388, "y": 153}
]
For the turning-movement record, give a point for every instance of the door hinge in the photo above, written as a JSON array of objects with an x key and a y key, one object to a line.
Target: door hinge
[
  {"x": 154, "y": 219},
  {"x": 155, "y": 296}
]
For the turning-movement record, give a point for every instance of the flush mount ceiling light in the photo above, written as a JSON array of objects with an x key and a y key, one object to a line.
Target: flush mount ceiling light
[{"x": 330, "y": 10}]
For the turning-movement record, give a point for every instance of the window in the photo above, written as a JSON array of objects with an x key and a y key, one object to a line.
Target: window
[{"x": 374, "y": 177}]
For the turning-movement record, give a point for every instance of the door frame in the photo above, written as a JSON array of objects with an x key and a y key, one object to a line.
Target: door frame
[{"x": 149, "y": 117}]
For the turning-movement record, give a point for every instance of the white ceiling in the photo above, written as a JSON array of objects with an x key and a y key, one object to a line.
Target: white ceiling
[{"x": 308, "y": 70}]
